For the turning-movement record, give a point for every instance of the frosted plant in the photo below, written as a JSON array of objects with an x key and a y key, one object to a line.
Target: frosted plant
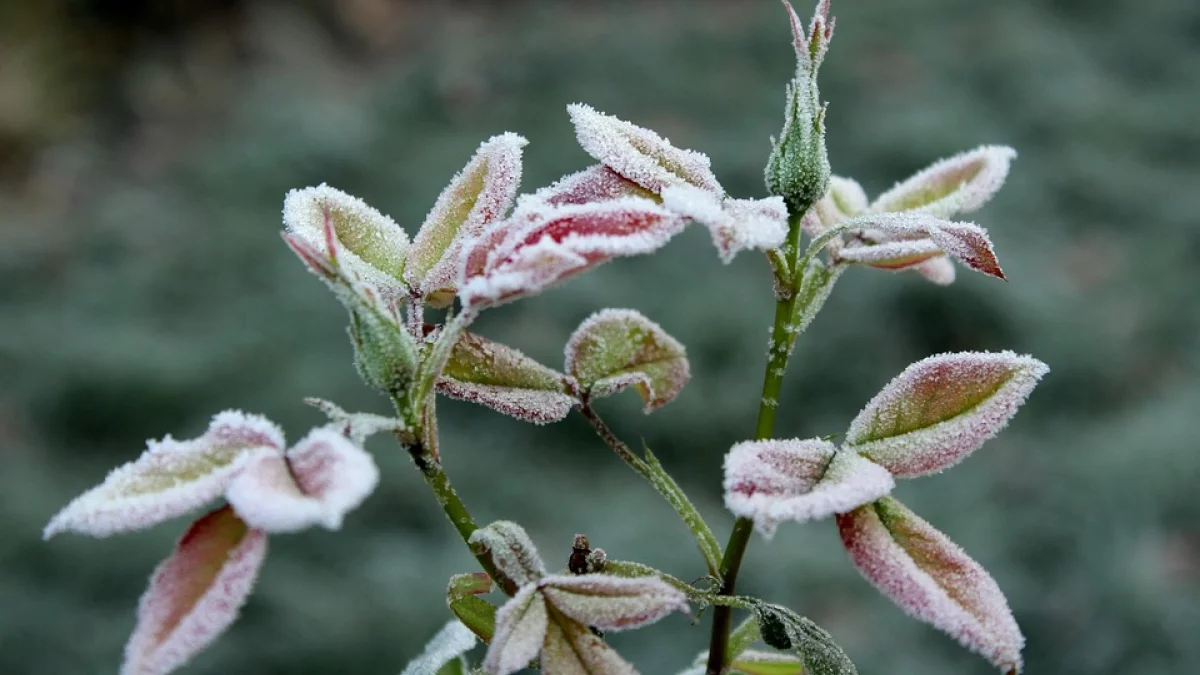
[{"x": 484, "y": 244}]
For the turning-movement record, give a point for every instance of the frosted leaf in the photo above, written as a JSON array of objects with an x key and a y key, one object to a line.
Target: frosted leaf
[
  {"x": 170, "y": 478},
  {"x": 753, "y": 662},
  {"x": 322, "y": 478},
  {"x": 358, "y": 427},
  {"x": 814, "y": 290},
  {"x": 966, "y": 242},
  {"x": 892, "y": 255},
  {"x": 476, "y": 197},
  {"x": 941, "y": 409},
  {"x": 505, "y": 380},
  {"x": 594, "y": 184},
  {"x": 571, "y": 649},
  {"x": 793, "y": 480},
  {"x": 811, "y": 45},
  {"x": 938, "y": 269},
  {"x": 370, "y": 245},
  {"x": 782, "y": 628},
  {"x": 477, "y": 614},
  {"x": 612, "y": 603},
  {"x": 617, "y": 348},
  {"x": 520, "y": 631},
  {"x": 451, "y": 642},
  {"x": 932, "y": 579},
  {"x": 957, "y": 184},
  {"x": 639, "y": 154},
  {"x": 195, "y": 594},
  {"x": 735, "y": 224},
  {"x": 512, "y": 551},
  {"x": 543, "y": 245}
]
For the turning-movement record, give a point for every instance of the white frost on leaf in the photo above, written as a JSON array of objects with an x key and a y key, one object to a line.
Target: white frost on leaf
[
  {"x": 451, "y": 642},
  {"x": 941, "y": 409},
  {"x": 902, "y": 240},
  {"x": 520, "y": 631},
  {"x": 797, "y": 480},
  {"x": 735, "y": 224},
  {"x": 638, "y": 154},
  {"x": 612, "y": 603},
  {"x": 358, "y": 427},
  {"x": 512, "y": 550},
  {"x": 320, "y": 480},
  {"x": 938, "y": 270},
  {"x": 571, "y": 648},
  {"x": 594, "y": 184},
  {"x": 932, "y": 579},
  {"x": 541, "y": 245},
  {"x": 171, "y": 478},
  {"x": 954, "y": 185},
  {"x": 195, "y": 594},
  {"x": 476, "y": 197},
  {"x": 506, "y": 380},
  {"x": 368, "y": 244},
  {"x": 617, "y": 348}
]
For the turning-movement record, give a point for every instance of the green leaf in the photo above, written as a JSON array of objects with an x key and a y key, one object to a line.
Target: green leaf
[
  {"x": 815, "y": 288},
  {"x": 662, "y": 481},
  {"x": 741, "y": 638},
  {"x": 783, "y": 629},
  {"x": 505, "y": 380},
  {"x": 767, "y": 663},
  {"x": 462, "y": 595},
  {"x": 618, "y": 348}
]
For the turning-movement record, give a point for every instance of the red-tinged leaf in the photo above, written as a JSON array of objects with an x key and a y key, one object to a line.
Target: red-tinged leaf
[
  {"x": 595, "y": 184},
  {"x": 617, "y": 348},
  {"x": 520, "y": 632},
  {"x": 320, "y": 480},
  {"x": 638, "y": 154},
  {"x": 512, "y": 550},
  {"x": 195, "y": 594},
  {"x": 503, "y": 379},
  {"x": 543, "y": 245},
  {"x": 570, "y": 648},
  {"x": 941, "y": 409},
  {"x": 476, "y": 197},
  {"x": 477, "y": 614},
  {"x": 958, "y": 184},
  {"x": 892, "y": 255},
  {"x": 966, "y": 242},
  {"x": 932, "y": 579},
  {"x": 735, "y": 224},
  {"x": 171, "y": 478},
  {"x": 793, "y": 480},
  {"x": 612, "y": 603}
]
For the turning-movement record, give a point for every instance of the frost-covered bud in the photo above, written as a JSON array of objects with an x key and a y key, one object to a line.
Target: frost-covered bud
[
  {"x": 618, "y": 348},
  {"x": 798, "y": 169},
  {"x": 597, "y": 559},
  {"x": 932, "y": 579},
  {"x": 512, "y": 550},
  {"x": 385, "y": 354}
]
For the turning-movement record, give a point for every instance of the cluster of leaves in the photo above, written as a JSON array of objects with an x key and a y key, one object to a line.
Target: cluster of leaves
[{"x": 483, "y": 245}]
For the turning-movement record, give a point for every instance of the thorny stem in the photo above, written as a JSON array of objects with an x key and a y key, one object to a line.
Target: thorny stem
[{"x": 782, "y": 341}]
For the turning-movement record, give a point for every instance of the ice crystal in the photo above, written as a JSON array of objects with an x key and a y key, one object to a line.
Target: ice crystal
[
  {"x": 932, "y": 579},
  {"x": 195, "y": 594},
  {"x": 170, "y": 478},
  {"x": 902, "y": 240},
  {"x": 941, "y": 409},
  {"x": 594, "y": 184},
  {"x": 476, "y": 197},
  {"x": 638, "y": 154},
  {"x": 358, "y": 427},
  {"x": 504, "y": 379},
  {"x": 954, "y": 185},
  {"x": 520, "y": 632},
  {"x": 451, "y": 642},
  {"x": 571, "y": 649},
  {"x": 798, "y": 480},
  {"x": 735, "y": 224},
  {"x": 617, "y": 348},
  {"x": 612, "y": 603},
  {"x": 512, "y": 550}
]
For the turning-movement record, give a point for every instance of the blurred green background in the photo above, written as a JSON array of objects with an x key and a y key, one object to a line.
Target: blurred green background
[{"x": 145, "y": 148}]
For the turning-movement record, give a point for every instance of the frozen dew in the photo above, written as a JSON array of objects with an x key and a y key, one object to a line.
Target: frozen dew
[
  {"x": 358, "y": 427},
  {"x": 906, "y": 239},
  {"x": 941, "y": 409},
  {"x": 892, "y": 255},
  {"x": 594, "y": 184},
  {"x": 617, "y": 348},
  {"x": 502, "y": 378},
  {"x": 527, "y": 405},
  {"x": 954, "y": 185},
  {"x": 735, "y": 224},
  {"x": 512, "y": 550},
  {"x": 932, "y": 579},
  {"x": 520, "y": 631},
  {"x": 450, "y": 643},
  {"x": 195, "y": 594},
  {"x": 573, "y": 649},
  {"x": 613, "y": 603}
]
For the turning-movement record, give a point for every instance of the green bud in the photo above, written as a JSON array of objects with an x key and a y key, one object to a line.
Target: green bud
[{"x": 385, "y": 354}]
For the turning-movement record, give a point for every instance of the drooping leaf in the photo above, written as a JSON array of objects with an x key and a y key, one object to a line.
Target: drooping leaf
[
  {"x": 512, "y": 551},
  {"x": 612, "y": 603},
  {"x": 941, "y": 409},
  {"x": 542, "y": 245},
  {"x": 570, "y": 648},
  {"x": 195, "y": 594},
  {"x": 954, "y": 185},
  {"x": 735, "y": 224},
  {"x": 477, "y": 614},
  {"x": 520, "y": 632},
  {"x": 783, "y": 629},
  {"x": 451, "y": 642},
  {"x": 320, "y": 479},
  {"x": 618, "y": 348},
  {"x": 932, "y": 579},
  {"x": 505, "y": 380},
  {"x": 902, "y": 240},
  {"x": 594, "y": 184},
  {"x": 476, "y": 197},
  {"x": 170, "y": 478},
  {"x": 638, "y": 154},
  {"x": 794, "y": 480},
  {"x": 767, "y": 663}
]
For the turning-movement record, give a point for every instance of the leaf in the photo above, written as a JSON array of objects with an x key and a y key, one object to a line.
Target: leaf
[
  {"x": 783, "y": 629},
  {"x": 617, "y": 348},
  {"x": 939, "y": 270},
  {"x": 662, "y": 481},
  {"x": 520, "y": 631},
  {"x": 638, "y": 154},
  {"x": 364, "y": 241},
  {"x": 478, "y": 615},
  {"x": 321, "y": 479},
  {"x": 740, "y": 638},
  {"x": 815, "y": 288},
  {"x": 793, "y": 480},
  {"x": 571, "y": 649},
  {"x": 594, "y": 184},
  {"x": 512, "y": 551},
  {"x": 612, "y": 603},
  {"x": 358, "y": 427},
  {"x": 170, "y": 478},
  {"x": 767, "y": 663},
  {"x": 932, "y": 579},
  {"x": 195, "y": 594},
  {"x": 735, "y": 224},
  {"x": 451, "y": 642},
  {"x": 385, "y": 354},
  {"x": 912, "y": 238},
  {"x": 954, "y": 185},
  {"x": 476, "y": 197},
  {"x": 505, "y": 380},
  {"x": 542, "y": 245},
  {"x": 941, "y": 409}
]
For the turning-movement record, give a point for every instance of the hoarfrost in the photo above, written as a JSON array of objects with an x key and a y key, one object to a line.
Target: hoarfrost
[
  {"x": 594, "y": 184},
  {"x": 512, "y": 551},
  {"x": 902, "y": 236},
  {"x": 613, "y": 603},
  {"x": 451, "y": 642},
  {"x": 502, "y": 378},
  {"x": 358, "y": 427},
  {"x": 735, "y": 224},
  {"x": 520, "y": 631},
  {"x": 617, "y": 348},
  {"x": 950, "y": 186},
  {"x": 572, "y": 649}
]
